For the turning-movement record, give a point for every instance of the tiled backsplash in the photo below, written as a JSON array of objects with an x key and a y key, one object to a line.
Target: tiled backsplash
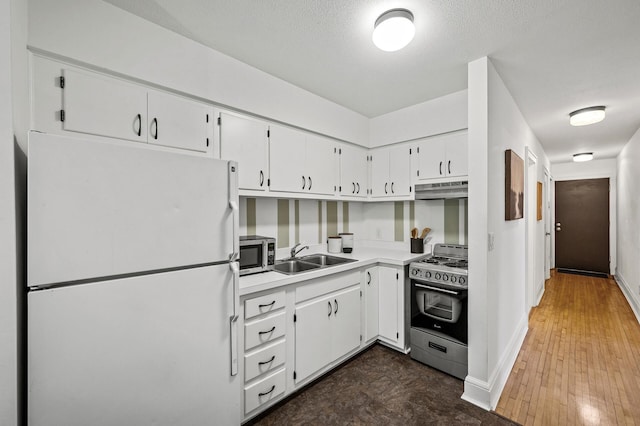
[{"x": 311, "y": 221}]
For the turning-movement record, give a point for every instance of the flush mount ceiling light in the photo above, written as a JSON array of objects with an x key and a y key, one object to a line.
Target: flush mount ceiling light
[
  {"x": 583, "y": 156},
  {"x": 393, "y": 30},
  {"x": 585, "y": 116}
]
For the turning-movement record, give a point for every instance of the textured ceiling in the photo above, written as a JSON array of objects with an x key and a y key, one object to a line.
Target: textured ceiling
[{"x": 555, "y": 56}]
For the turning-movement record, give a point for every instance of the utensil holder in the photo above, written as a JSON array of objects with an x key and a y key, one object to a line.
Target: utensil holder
[{"x": 417, "y": 245}]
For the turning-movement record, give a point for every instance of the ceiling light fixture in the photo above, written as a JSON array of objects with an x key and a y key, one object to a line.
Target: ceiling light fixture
[
  {"x": 585, "y": 116},
  {"x": 583, "y": 156},
  {"x": 393, "y": 30}
]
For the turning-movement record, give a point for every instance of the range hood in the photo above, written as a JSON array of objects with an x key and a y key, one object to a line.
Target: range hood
[{"x": 443, "y": 190}]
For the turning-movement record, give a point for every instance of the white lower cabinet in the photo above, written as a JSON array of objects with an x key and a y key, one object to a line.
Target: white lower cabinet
[
  {"x": 391, "y": 306},
  {"x": 264, "y": 390},
  {"x": 326, "y": 329},
  {"x": 265, "y": 350},
  {"x": 371, "y": 302}
]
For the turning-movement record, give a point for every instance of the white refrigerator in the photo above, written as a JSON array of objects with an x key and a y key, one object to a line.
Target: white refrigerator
[{"x": 132, "y": 285}]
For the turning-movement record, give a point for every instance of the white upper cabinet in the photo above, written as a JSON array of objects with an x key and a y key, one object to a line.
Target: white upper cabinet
[
  {"x": 103, "y": 106},
  {"x": 245, "y": 140},
  {"x": 287, "y": 153},
  {"x": 353, "y": 171},
  {"x": 391, "y": 171},
  {"x": 301, "y": 163},
  {"x": 99, "y": 105},
  {"x": 321, "y": 165},
  {"x": 179, "y": 122},
  {"x": 443, "y": 156}
]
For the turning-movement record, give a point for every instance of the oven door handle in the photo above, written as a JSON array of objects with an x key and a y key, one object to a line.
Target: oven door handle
[{"x": 443, "y": 290}]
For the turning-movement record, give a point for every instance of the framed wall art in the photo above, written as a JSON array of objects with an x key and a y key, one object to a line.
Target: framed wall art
[{"x": 514, "y": 186}]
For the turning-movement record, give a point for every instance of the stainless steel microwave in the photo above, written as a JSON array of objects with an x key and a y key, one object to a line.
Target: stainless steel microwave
[{"x": 257, "y": 254}]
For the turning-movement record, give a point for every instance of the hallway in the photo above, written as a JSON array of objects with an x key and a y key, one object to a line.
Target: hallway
[{"x": 580, "y": 361}]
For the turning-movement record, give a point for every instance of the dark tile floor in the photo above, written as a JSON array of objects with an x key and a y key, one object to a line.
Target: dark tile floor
[{"x": 381, "y": 387}]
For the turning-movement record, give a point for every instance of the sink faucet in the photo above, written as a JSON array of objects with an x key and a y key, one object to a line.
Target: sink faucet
[{"x": 294, "y": 252}]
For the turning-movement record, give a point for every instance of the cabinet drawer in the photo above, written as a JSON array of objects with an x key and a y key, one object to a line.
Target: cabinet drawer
[
  {"x": 264, "y": 391},
  {"x": 264, "y": 360},
  {"x": 263, "y": 330},
  {"x": 263, "y": 304}
]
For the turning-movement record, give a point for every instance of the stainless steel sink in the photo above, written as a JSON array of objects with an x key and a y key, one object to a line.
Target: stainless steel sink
[
  {"x": 326, "y": 260},
  {"x": 308, "y": 263},
  {"x": 294, "y": 266}
]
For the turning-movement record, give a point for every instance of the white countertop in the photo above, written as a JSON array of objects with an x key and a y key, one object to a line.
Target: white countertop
[{"x": 366, "y": 256}]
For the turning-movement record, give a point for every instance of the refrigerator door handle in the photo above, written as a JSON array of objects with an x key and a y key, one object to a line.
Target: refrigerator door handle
[
  {"x": 235, "y": 210},
  {"x": 233, "y": 319}
]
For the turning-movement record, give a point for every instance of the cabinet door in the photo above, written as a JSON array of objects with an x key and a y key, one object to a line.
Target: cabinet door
[
  {"x": 104, "y": 106},
  {"x": 313, "y": 337},
  {"x": 287, "y": 157},
  {"x": 380, "y": 173},
  {"x": 353, "y": 171},
  {"x": 371, "y": 290},
  {"x": 245, "y": 140},
  {"x": 345, "y": 322},
  {"x": 321, "y": 165},
  {"x": 399, "y": 171},
  {"x": 388, "y": 306},
  {"x": 457, "y": 155},
  {"x": 431, "y": 158},
  {"x": 179, "y": 123}
]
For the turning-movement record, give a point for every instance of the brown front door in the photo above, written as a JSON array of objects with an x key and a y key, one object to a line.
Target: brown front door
[{"x": 582, "y": 225}]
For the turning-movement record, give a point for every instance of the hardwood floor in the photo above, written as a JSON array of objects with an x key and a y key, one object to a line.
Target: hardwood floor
[{"x": 580, "y": 361}]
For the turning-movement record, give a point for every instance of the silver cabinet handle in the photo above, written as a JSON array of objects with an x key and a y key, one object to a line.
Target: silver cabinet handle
[
  {"x": 139, "y": 118},
  {"x": 330, "y": 308},
  {"x": 449, "y": 167},
  {"x": 261, "y": 178},
  {"x": 392, "y": 191},
  {"x": 336, "y": 302},
  {"x": 441, "y": 167},
  {"x": 369, "y": 275},
  {"x": 310, "y": 183},
  {"x": 358, "y": 191},
  {"x": 353, "y": 191},
  {"x": 385, "y": 187},
  {"x": 304, "y": 182}
]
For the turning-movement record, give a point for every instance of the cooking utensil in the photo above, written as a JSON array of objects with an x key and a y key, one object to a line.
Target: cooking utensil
[
  {"x": 414, "y": 233},
  {"x": 425, "y": 231}
]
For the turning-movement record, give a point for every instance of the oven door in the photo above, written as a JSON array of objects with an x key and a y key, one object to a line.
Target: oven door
[{"x": 439, "y": 303}]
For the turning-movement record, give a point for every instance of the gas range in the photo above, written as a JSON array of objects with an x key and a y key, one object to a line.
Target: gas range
[{"x": 447, "y": 266}]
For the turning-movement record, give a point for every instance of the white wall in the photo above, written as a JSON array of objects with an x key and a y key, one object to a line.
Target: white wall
[
  {"x": 628, "y": 222},
  {"x": 441, "y": 115},
  {"x": 497, "y": 312},
  {"x": 594, "y": 169},
  {"x": 98, "y": 34},
  {"x": 8, "y": 308}
]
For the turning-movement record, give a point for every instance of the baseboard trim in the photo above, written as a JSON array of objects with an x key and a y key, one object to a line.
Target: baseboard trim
[
  {"x": 633, "y": 300},
  {"x": 486, "y": 394}
]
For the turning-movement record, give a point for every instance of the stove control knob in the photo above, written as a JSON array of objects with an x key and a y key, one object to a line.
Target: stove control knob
[
  {"x": 445, "y": 277},
  {"x": 453, "y": 279},
  {"x": 462, "y": 280},
  {"x": 438, "y": 276},
  {"x": 427, "y": 274},
  {"x": 414, "y": 272}
]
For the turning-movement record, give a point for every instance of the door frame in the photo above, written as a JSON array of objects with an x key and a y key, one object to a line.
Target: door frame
[
  {"x": 548, "y": 260},
  {"x": 531, "y": 193}
]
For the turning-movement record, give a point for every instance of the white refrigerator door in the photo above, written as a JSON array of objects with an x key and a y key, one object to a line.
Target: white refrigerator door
[
  {"x": 149, "y": 350},
  {"x": 99, "y": 209}
]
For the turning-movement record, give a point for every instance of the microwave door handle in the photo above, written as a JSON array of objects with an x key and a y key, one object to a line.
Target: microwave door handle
[
  {"x": 442, "y": 290},
  {"x": 235, "y": 210}
]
